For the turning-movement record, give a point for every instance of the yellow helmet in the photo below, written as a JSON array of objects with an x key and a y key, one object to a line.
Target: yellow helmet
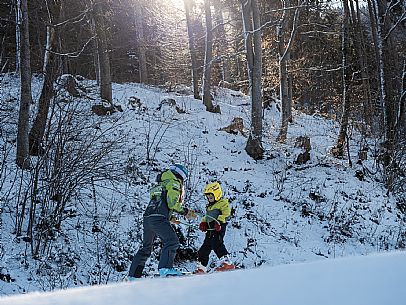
[{"x": 215, "y": 189}]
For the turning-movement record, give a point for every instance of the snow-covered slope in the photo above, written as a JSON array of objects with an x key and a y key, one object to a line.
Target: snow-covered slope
[
  {"x": 367, "y": 280},
  {"x": 283, "y": 212}
]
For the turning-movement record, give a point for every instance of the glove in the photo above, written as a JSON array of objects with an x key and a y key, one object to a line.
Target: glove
[
  {"x": 185, "y": 211},
  {"x": 203, "y": 226},
  {"x": 174, "y": 221},
  {"x": 190, "y": 214},
  {"x": 217, "y": 226}
]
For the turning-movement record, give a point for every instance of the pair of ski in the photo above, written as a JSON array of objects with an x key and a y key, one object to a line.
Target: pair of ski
[{"x": 188, "y": 273}]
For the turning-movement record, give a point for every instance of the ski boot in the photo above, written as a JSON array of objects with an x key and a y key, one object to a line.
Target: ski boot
[
  {"x": 200, "y": 269},
  {"x": 164, "y": 272},
  {"x": 225, "y": 264}
]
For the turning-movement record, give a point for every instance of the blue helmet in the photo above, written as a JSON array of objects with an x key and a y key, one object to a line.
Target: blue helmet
[{"x": 179, "y": 169}]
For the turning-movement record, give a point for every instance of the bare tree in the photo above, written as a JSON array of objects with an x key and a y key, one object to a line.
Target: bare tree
[
  {"x": 386, "y": 65},
  {"x": 18, "y": 34},
  {"x": 208, "y": 60},
  {"x": 253, "y": 48},
  {"x": 50, "y": 73},
  {"x": 287, "y": 26},
  {"x": 388, "y": 17},
  {"x": 192, "y": 48},
  {"x": 69, "y": 167},
  {"x": 401, "y": 121},
  {"x": 103, "y": 51},
  {"x": 338, "y": 150},
  {"x": 360, "y": 50},
  {"x": 222, "y": 42},
  {"x": 139, "y": 27},
  {"x": 23, "y": 158}
]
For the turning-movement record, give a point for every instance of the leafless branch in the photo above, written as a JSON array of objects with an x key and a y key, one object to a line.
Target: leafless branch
[{"x": 74, "y": 54}]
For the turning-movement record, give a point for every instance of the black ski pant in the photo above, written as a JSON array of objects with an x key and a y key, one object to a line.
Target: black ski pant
[
  {"x": 213, "y": 241},
  {"x": 155, "y": 225}
]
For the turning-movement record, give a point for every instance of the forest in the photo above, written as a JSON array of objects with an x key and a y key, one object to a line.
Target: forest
[{"x": 344, "y": 61}]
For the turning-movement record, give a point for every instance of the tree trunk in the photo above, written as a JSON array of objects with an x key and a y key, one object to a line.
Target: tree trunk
[
  {"x": 142, "y": 58},
  {"x": 95, "y": 52},
  {"x": 64, "y": 64},
  {"x": 103, "y": 54},
  {"x": 23, "y": 158},
  {"x": 48, "y": 48},
  {"x": 251, "y": 18},
  {"x": 248, "y": 33},
  {"x": 208, "y": 59},
  {"x": 383, "y": 20},
  {"x": 387, "y": 62},
  {"x": 377, "y": 125},
  {"x": 338, "y": 150},
  {"x": 50, "y": 73},
  {"x": 223, "y": 45},
  {"x": 288, "y": 21},
  {"x": 359, "y": 44},
  {"x": 401, "y": 121},
  {"x": 192, "y": 49},
  {"x": 18, "y": 35},
  {"x": 285, "y": 102},
  {"x": 283, "y": 73},
  {"x": 238, "y": 68}
]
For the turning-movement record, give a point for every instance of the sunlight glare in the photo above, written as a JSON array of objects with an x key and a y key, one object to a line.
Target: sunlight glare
[{"x": 179, "y": 4}]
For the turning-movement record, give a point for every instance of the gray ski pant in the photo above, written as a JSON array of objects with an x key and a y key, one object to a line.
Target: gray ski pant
[{"x": 155, "y": 225}]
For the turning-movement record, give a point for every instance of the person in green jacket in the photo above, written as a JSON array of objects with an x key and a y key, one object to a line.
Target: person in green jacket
[
  {"x": 165, "y": 200},
  {"x": 214, "y": 223}
]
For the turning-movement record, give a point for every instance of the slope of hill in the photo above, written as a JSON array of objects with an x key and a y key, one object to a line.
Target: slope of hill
[
  {"x": 368, "y": 280},
  {"x": 283, "y": 212}
]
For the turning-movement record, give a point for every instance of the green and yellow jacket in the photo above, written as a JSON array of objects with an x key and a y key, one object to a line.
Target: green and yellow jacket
[
  {"x": 219, "y": 210},
  {"x": 165, "y": 198}
]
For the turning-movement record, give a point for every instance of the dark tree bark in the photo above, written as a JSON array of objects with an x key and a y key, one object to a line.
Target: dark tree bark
[
  {"x": 401, "y": 122},
  {"x": 389, "y": 82},
  {"x": 222, "y": 42},
  {"x": 359, "y": 44},
  {"x": 284, "y": 56},
  {"x": 18, "y": 35},
  {"x": 192, "y": 49},
  {"x": 286, "y": 33},
  {"x": 208, "y": 60},
  {"x": 252, "y": 24},
  {"x": 103, "y": 52},
  {"x": 142, "y": 57},
  {"x": 23, "y": 157},
  {"x": 50, "y": 74},
  {"x": 339, "y": 149}
]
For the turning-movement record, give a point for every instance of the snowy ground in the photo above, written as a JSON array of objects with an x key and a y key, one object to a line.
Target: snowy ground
[
  {"x": 283, "y": 212},
  {"x": 368, "y": 280}
]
